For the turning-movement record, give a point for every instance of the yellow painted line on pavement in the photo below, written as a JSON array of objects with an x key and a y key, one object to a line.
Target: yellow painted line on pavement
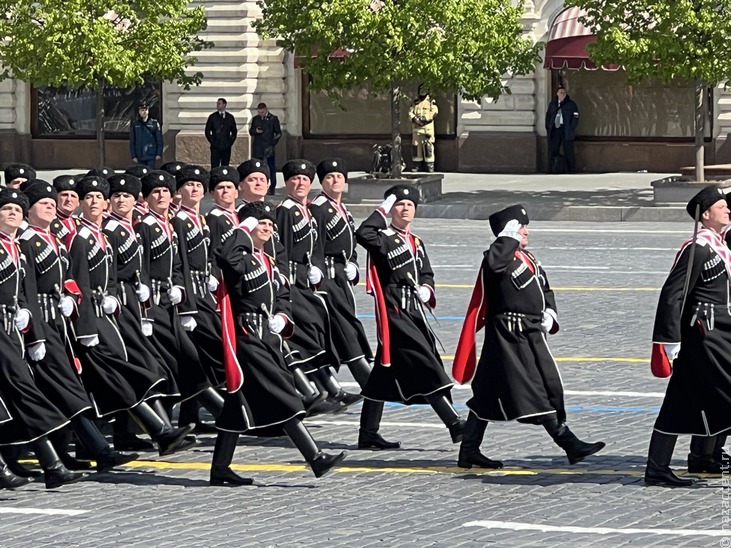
[
  {"x": 565, "y": 288},
  {"x": 387, "y": 469},
  {"x": 579, "y": 359}
]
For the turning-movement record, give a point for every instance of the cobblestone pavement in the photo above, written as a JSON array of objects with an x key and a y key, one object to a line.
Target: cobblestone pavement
[{"x": 607, "y": 282}]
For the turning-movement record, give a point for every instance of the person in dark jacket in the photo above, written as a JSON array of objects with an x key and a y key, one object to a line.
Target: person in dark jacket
[
  {"x": 266, "y": 132},
  {"x": 145, "y": 138},
  {"x": 562, "y": 118},
  {"x": 221, "y": 133}
]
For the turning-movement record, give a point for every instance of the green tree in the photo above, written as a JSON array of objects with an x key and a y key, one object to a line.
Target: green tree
[
  {"x": 467, "y": 46},
  {"x": 667, "y": 40},
  {"x": 89, "y": 43}
]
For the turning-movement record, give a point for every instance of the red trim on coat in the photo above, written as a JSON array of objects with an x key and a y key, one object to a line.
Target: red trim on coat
[{"x": 465, "y": 357}]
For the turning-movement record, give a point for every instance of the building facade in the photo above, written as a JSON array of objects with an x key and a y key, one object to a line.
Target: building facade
[{"x": 622, "y": 127}]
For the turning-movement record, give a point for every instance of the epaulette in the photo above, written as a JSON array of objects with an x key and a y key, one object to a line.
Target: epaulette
[
  {"x": 149, "y": 220},
  {"x": 216, "y": 212},
  {"x": 320, "y": 200},
  {"x": 84, "y": 232},
  {"x": 389, "y": 231},
  {"x": 182, "y": 214},
  {"x": 111, "y": 225},
  {"x": 288, "y": 203},
  {"x": 27, "y": 235}
]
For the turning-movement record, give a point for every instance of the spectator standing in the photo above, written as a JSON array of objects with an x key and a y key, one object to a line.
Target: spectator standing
[
  {"x": 266, "y": 132},
  {"x": 562, "y": 118},
  {"x": 221, "y": 134},
  {"x": 145, "y": 138}
]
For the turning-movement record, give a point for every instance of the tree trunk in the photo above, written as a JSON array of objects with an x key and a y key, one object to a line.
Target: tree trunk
[
  {"x": 395, "y": 131},
  {"x": 700, "y": 123},
  {"x": 99, "y": 93}
]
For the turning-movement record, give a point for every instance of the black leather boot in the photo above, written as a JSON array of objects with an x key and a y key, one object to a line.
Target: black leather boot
[
  {"x": 11, "y": 454},
  {"x": 700, "y": 458},
  {"x": 370, "y": 421},
  {"x": 320, "y": 462},
  {"x": 310, "y": 394},
  {"x": 55, "y": 473},
  {"x": 658, "y": 470},
  {"x": 469, "y": 450},
  {"x": 8, "y": 480},
  {"x": 328, "y": 405},
  {"x": 212, "y": 401},
  {"x": 223, "y": 452},
  {"x": 576, "y": 450},
  {"x": 449, "y": 416},
  {"x": 124, "y": 438},
  {"x": 168, "y": 440},
  {"x": 361, "y": 370},
  {"x": 326, "y": 375}
]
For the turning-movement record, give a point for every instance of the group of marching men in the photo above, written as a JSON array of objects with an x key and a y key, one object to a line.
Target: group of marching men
[{"x": 119, "y": 299}]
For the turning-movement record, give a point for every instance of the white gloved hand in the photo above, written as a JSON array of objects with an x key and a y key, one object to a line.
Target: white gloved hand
[
  {"x": 276, "y": 324},
  {"x": 388, "y": 204},
  {"x": 249, "y": 224},
  {"x": 511, "y": 230},
  {"x": 189, "y": 323},
  {"x": 37, "y": 351},
  {"x": 22, "y": 319},
  {"x": 351, "y": 271},
  {"x": 314, "y": 274},
  {"x": 143, "y": 293},
  {"x": 109, "y": 305},
  {"x": 671, "y": 350},
  {"x": 66, "y": 305},
  {"x": 147, "y": 328},
  {"x": 547, "y": 322},
  {"x": 212, "y": 284},
  {"x": 90, "y": 341},
  {"x": 176, "y": 296},
  {"x": 424, "y": 293}
]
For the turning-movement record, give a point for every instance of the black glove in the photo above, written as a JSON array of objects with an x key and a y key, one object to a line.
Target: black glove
[{"x": 268, "y": 152}]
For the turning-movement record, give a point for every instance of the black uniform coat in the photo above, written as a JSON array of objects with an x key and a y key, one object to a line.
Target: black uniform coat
[
  {"x": 194, "y": 240},
  {"x": 698, "y": 397},
  {"x": 125, "y": 244},
  {"x": 516, "y": 376},
  {"x": 56, "y": 374},
  {"x": 163, "y": 265},
  {"x": 336, "y": 237},
  {"x": 312, "y": 339},
  {"x": 267, "y": 398},
  {"x": 33, "y": 415},
  {"x": 115, "y": 382},
  {"x": 65, "y": 227},
  {"x": 414, "y": 368}
]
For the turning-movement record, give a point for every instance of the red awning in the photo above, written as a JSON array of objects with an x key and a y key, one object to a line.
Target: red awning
[{"x": 567, "y": 41}]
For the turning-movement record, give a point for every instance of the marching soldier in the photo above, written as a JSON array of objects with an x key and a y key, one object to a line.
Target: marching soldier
[
  {"x": 298, "y": 235},
  {"x": 116, "y": 384},
  {"x": 194, "y": 241},
  {"x": 422, "y": 113},
  {"x": 336, "y": 238},
  {"x": 169, "y": 288},
  {"x": 34, "y": 417},
  {"x": 691, "y": 343},
  {"x": 516, "y": 377},
  {"x": 408, "y": 368},
  {"x": 133, "y": 289},
  {"x": 56, "y": 369},
  {"x": 262, "y": 398}
]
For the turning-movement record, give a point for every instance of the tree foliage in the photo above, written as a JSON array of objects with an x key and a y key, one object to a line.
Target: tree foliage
[
  {"x": 463, "y": 45},
  {"x": 82, "y": 43},
  {"x": 664, "y": 39}
]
